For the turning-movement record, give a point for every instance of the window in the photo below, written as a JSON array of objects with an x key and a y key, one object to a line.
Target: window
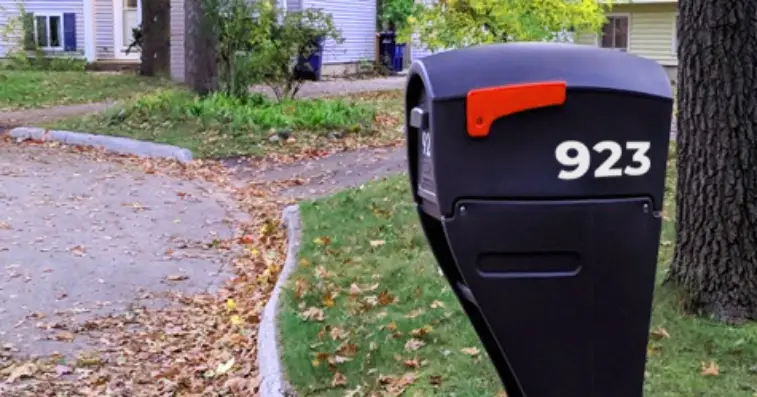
[
  {"x": 48, "y": 31},
  {"x": 615, "y": 33}
]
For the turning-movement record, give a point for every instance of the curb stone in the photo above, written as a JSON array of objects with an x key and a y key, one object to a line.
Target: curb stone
[
  {"x": 110, "y": 143},
  {"x": 272, "y": 382}
]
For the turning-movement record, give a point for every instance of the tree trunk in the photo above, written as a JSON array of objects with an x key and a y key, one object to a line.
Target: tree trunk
[
  {"x": 715, "y": 260},
  {"x": 200, "y": 48},
  {"x": 156, "y": 38}
]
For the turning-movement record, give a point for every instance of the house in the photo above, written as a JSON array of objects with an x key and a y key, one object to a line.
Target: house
[
  {"x": 356, "y": 19},
  {"x": 644, "y": 27},
  {"x": 97, "y": 30},
  {"x": 100, "y": 30}
]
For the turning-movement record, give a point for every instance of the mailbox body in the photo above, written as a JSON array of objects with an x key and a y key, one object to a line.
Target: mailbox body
[{"x": 556, "y": 274}]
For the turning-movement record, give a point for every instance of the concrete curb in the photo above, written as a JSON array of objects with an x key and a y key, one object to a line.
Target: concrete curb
[
  {"x": 110, "y": 143},
  {"x": 272, "y": 382}
]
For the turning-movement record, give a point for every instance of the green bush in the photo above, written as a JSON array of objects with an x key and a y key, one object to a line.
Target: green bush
[{"x": 251, "y": 113}]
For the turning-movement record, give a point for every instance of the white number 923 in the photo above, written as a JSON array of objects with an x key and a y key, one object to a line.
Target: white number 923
[{"x": 576, "y": 154}]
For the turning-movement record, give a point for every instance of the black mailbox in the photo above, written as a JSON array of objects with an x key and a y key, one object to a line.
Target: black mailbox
[{"x": 539, "y": 170}]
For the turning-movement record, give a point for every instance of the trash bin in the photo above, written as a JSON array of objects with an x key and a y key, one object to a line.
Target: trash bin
[
  {"x": 387, "y": 48},
  {"x": 398, "y": 58},
  {"x": 309, "y": 68},
  {"x": 538, "y": 171}
]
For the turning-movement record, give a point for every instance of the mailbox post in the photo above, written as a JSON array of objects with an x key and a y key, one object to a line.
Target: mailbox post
[{"x": 538, "y": 170}]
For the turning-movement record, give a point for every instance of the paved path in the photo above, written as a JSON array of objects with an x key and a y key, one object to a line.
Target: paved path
[
  {"x": 38, "y": 116},
  {"x": 340, "y": 86},
  {"x": 79, "y": 237}
]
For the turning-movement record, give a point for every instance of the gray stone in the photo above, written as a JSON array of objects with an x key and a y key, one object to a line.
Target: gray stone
[
  {"x": 272, "y": 380},
  {"x": 110, "y": 143}
]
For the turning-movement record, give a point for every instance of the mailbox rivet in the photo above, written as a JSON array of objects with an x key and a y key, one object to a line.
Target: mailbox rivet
[
  {"x": 462, "y": 209},
  {"x": 646, "y": 208}
]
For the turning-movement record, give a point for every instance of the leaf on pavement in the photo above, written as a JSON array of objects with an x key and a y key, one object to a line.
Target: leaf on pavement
[
  {"x": 659, "y": 333},
  {"x": 22, "y": 371}
]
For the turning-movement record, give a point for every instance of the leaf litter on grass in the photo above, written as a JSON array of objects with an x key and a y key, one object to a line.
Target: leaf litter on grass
[{"x": 203, "y": 344}]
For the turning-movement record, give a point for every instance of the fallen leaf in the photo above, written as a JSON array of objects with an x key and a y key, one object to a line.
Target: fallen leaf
[
  {"x": 437, "y": 305},
  {"x": 659, "y": 333},
  {"x": 328, "y": 300},
  {"x": 312, "y": 314},
  {"x": 78, "y": 250},
  {"x": 224, "y": 367},
  {"x": 412, "y": 363},
  {"x": 355, "y": 289},
  {"x": 5, "y": 226},
  {"x": 710, "y": 369},
  {"x": 236, "y": 320},
  {"x": 64, "y": 336},
  {"x": 338, "y": 380},
  {"x": 414, "y": 344},
  {"x": 471, "y": 351},
  {"x": 385, "y": 298},
  {"x": 377, "y": 243},
  {"x": 25, "y": 370},
  {"x": 177, "y": 277},
  {"x": 246, "y": 239},
  {"x": 415, "y": 313},
  {"x": 421, "y": 332}
]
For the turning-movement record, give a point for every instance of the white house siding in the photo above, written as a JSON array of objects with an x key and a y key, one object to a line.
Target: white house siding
[
  {"x": 356, "y": 19},
  {"x": 9, "y": 10},
  {"x": 651, "y": 31},
  {"x": 293, "y": 5},
  {"x": 104, "y": 30},
  {"x": 177, "y": 40}
]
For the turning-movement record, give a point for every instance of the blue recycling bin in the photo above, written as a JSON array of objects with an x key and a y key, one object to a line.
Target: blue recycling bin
[
  {"x": 309, "y": 68},
  {"x": 398, "y": 60}
]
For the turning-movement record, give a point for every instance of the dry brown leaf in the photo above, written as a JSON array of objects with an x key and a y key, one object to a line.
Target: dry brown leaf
[
  {"x": 312, "y": 314},
  {"x": 355, "y": 289},
  {"x": 64, "y": 336},
  {"x": 414, "y": 344},
  {"x": 338, "y": 380},
  {"x": 421, "y": 332},
  {"x": 338, "y": 333},
  {"x": 177, "y": 277},
  {"x": 412, "y": 363},
  {"x": 328, "y": 300},
  {"x": 385, "y": 298},
  {"x": 22, "y": 371},
  {"x": 415, "y": 313},
  {"x": 710, "y": 369},
  {"x": 659, "y": 333},
  {"x": 377, "y": 243},
  {"x": 437, "y": 305},
  {"x": 471, "y": 351}
]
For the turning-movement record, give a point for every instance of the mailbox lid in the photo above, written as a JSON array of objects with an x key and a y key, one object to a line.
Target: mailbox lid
[{"x": 453, "y": 74}]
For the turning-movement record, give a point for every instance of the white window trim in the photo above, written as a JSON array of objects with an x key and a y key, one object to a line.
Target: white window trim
[
  {"x": 598, "y": 39},
  {"x": 60, "y": 27},
  {"x": 674, "y": 50}
]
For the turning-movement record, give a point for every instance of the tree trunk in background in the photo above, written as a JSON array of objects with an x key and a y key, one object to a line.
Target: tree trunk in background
[
  {"x": 156, "y": 41},
  {"x": 715, "y": 259},
  {"x": 200, "y": 49}
]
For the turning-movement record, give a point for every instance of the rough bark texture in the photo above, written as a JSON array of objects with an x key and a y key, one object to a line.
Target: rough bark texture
[
  {"x": 200, "y": 48},
  {"x": 156, "y": 39},
  {"x": 715, "y": 260}
]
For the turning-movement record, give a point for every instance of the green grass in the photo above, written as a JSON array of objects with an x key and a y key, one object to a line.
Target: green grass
[
  {"x": 33, "y": 89},
  {"x": 218, "y": 126},
  {"x": 337, "y": 253}
]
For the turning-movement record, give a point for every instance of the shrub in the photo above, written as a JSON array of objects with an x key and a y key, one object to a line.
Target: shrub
[
  {"x": 259, "y": 42},
  {"x": 253, "y": 113}
]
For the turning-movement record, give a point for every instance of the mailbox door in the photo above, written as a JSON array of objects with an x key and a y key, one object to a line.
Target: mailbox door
[{"x": 566, "y": 286}]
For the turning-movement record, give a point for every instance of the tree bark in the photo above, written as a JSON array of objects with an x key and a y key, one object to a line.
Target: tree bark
[
  {"x": 715, "y": 260},
  {"x": 200, "y": 48},
  {"x": 156, "y": 38}
]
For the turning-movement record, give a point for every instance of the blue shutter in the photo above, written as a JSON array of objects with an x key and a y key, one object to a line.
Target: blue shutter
[{"x": 69, "y": 31}]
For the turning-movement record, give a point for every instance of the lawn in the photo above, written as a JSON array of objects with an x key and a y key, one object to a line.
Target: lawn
[
  {"x": 367, "y": 288},
  {"x": 33, "y": 89},
  {"x": 220, "y": 127}
]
